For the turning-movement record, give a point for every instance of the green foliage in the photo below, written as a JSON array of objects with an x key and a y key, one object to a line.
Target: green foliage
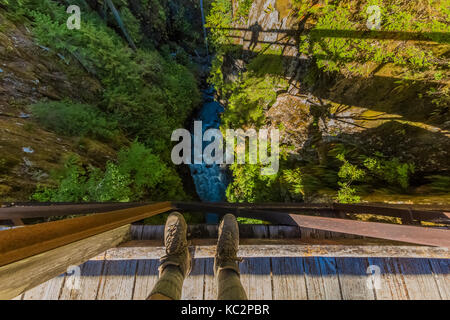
[
  {"x": 219, "y": 19},
  {"x": 440, "y": 98},
  {"x": 249, "y": 185},
  {"x": 249, "y": 98},
  {"x": 138, "y": 174},
  {"x": 374, "y": 170},
  {"x": 392, "y": 171},
  {"x": 302, "y": 183},
  {"x": 132, "y": 24},
  {"x": 347, "y": 194},
  {"x": 74, "y": 119},
  {"x": 216, "y": 76},
  {"x": 440, "y": 183},
  {"x": 347, "y": 55},
  {"x": 4, "y": 167},
  {"x": 271, "y": 63},
  {"x": 241, "y": 220},
  {"x": 243, "y": 10},
  {"x": 295, "y": 180},
  {"x": 149, "y": 95},
  {"x": 348, "y": 173}
]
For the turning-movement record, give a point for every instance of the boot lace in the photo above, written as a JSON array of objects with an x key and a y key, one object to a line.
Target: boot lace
[
  {"x": 173, "y": 241},
  {"x": 227, "y": 250}
]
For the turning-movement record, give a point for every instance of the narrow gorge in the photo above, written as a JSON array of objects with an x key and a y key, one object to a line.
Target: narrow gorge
[{"x": 87, "y": 115}]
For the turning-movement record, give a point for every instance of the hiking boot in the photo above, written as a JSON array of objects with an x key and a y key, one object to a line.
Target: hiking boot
[
  {"x": 177, "y": 253},
  {"x": 227, "y": 245}
]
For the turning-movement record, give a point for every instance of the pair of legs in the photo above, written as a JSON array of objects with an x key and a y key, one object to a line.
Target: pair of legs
[{"x": 176, "y": 264}]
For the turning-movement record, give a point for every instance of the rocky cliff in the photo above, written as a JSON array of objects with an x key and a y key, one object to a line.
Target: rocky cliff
[
  {"x": 29, "y": 73},
  {"x": 341, "y": 86}
]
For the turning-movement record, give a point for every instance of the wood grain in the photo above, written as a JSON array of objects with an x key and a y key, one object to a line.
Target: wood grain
[
  {"x": 210, "y": 281},
  {"x": 20, "y": 276},
  {"x": 391, "y": 280},
  {"x": 20, "y": 243},
  {"x": 288, "y": 276},
  {"x": 441, "y": 271},
  {"x": 193, "y": 284},
  {"x": 256, "y": 278},
  {"x": 419, "y": 278},
  {"x": 321, "y": 278},
  {"x": 86, "y": 287},
  {"x": 353, "y": 277},
  {"x": 49, "y": 290},
  {"x": 146, "y": 278},
  {"x": 117, "y": 282}
]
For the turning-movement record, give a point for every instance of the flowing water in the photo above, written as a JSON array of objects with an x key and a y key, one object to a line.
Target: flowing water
[{"x": 210, "y": 181}]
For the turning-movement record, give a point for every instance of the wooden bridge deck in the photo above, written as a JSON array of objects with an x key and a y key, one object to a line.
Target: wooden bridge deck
[
  {"x": 289, "y": 268},
  {"x": 113, "y": 277}
]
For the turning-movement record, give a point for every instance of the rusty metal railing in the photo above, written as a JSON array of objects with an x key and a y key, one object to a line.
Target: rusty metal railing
[{"x": 330, "y": 218}]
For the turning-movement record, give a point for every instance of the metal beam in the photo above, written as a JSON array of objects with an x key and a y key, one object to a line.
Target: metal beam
[
  {"x": 38, "y": 210},
  {"x": 416, "y": 212},
  {"x": 411, "y": 234}
]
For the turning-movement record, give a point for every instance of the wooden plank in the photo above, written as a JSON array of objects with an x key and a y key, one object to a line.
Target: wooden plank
[
  {"x": 253, "y": 231},
  {"x": 206, "y": 248},
  {"x": 49, "y": 290},
  {"x": 117, "y": 281},
  {"x": 146, "y": 278},
  {"x": 194, "y": 284},
  {"x": 441, "y": 270},
  {"x": 260, "y": 231},
  {"x": 353, "y": 279},
  {"x": 20, "y": 243},
  {"x": 212, "y": 231},
  {"x": 136, "y": 231},
  {"x": 86, "y": 286},
  {"x": 156, "y": 232},
  {"x": 391, "y": 280},
  {"x": 210, "y": 280},
  {"x": 288, "y": 279},
  {"x": 256, "y": 279},
  {"x": 201, "y": 231},
  {"x": 284, "y": 232},
  {"x": 152, "y": 232},
  {"x": 419, "y": 278},
  {"x": 20, "y": 276},
  {"x": 321, "y": 278}
]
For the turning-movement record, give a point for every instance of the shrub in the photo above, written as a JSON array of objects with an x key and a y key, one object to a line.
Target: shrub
[
  {"x": 440, "y": 183},
  {"x": 148, "y": 94},
  {"x": 75, "y": 119},
  {"x": 249, "y": 185},
  {"x": 349, "y": 173},
  {"x": 250, "y": 97},
  {"x": 392, "y": 171},
  {"x": 137, "y": 175}
]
